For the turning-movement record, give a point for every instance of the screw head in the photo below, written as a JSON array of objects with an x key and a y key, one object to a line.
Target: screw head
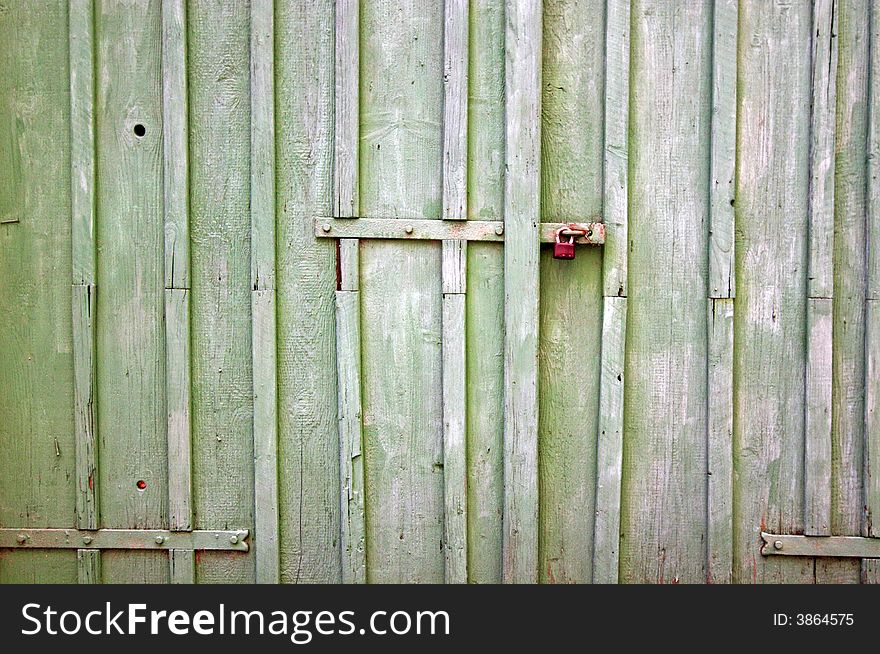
[
  {"x": 777, "y": 544},
  {"x": 160, "y": 540},
  {"x": 499, "y": 230},
  {"x": 326, "y": 227},
  {"x": 233, "y": 539},
  {"x": 87, "y": 539},
  {"x": 21, "y": 538},
  {"x": 408, "y": 229}
]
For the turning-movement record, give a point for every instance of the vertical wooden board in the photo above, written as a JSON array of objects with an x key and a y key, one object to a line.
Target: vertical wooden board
[
  {"x": 89, "y": 566},
  {"x": 455, "y": 537},
  {"x": 848, "y": 358},
  {"x": 817, "y": 419},
  {"x": 720, "y": 441},
  {"x": 306, "y": 280},
  {"x": 615, "y": 206},
  {"x": 178, "y": 384},
  {"x": 722, "y": 281},
  {"x": 522, "y": 186},
  {"x": 873, "y": 163},
  {"x": 455, "y": 108},
  {"x": 130, "y": 237},
  {"x": 400, "y": 158},
  {"x": 606, "y": 539},
  {"x": 37, "y": 481},
  {"x": 219, "y": 86},
  {"x": 665, "y": 420},
  {"x": 771, "y": 255},
  {"x": 571, "y": 291},
  {"x": 485, "y": 284},
  {"x": 872, "y": 419},
  {"x": 182, "y": 566}
]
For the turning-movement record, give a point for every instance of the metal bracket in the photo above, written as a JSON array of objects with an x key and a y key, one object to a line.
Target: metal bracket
[
  {"x": 125, "y": 539},
  {"x": 835, "y": 546},
  {"x": 444, "y": 230}
]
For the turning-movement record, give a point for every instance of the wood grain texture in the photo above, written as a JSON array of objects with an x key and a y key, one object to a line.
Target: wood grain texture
[
  {"x": 571, "y": 291},
  {"x": 615, "y": 205},
  {"x": 182, "y": 566},
  {"x": 129, "y": 328},
  {"x": 455, "y": 541},
  {"x": 722, "y": 281},
  {"x": 485, "y": 298},
  {"x": 263, "y": 305},
  {"x": 665, "y": 421},
  {"x": 308, "y": 448},
  {"x": 817, "y": 419},
  {"x": 38, "y": 481},
  {"x": 771, "y": 255},
  {"x": 873, "y": 162},
  {"x": 872, "y": 419},
  {"x": 609, "y": 461},
  {"x": 177, "y": 387},
  {"x": 220, "y": 251},
  {"x": 88, "y": 566},
  {"x": 400, "y": 158},
  {"x": 849, "y": 277},
  {"x": 455, "y": 108},
  {"x": 871, "y": 525},
  {"x": 521, "y": 288},
  {"x": 720, "y": 441}
]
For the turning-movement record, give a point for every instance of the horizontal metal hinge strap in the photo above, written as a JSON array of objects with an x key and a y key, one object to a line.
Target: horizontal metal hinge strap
[
  {"x": 125, "y": 539},
  {"x": 444, "y": 230},
  {"x": 834, "y": 546}
]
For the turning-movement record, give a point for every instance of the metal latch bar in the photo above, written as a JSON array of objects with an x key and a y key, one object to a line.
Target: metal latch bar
[
  {"x": 125, "y": 539},
  {"x": 834, "y": 546}
]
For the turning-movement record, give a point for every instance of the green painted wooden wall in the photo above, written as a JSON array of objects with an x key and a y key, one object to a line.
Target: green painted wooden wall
[{"x": 710, "y": 372}]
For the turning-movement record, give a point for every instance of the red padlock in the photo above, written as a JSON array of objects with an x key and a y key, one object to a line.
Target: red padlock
[{"x": 563, "y": 250}]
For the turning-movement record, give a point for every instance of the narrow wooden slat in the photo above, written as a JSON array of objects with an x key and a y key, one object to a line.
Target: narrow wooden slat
[
  {"x": 84, "y": 296},
  {"x": 350, "y": 437},
  {"x": 720, "y": 440},
  {"x": 521, "y": 255},
  {"x": 871, "y": 526},
  {"x": 455, "y": 104},
  {"x": 606, "y": 540},
  {"x": 178, "y": 376},
  {"x": 616, "y": 145},
  {"x": 454, "y": 266},
  {"x": 722, "y": 280},
  {"x": 820, "y": 546},
  {"x": 183, "y": 566},
  {"x": 264, "y": 332},
  {"x": 454, "y": 438},
  {"x": 88, "y": 566},
  {"x": 872, "y": 418},
  {"x": 817, "y": 419}
]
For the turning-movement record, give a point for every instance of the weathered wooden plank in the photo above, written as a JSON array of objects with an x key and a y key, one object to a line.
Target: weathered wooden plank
[
  {"x": 817, "y": 419},
  {"x": 769, "y": 325},
  {"x": 84, "y": 303},
  {"x": 820, "y": 546},
  {"x": 873, "y": 161},
  {"x": 616, "y": 167},
  {"x": 485, "y": 297},
  {"x": 129, "y": 329},
  {"x": 263, "y": 311},
  {"x": 722, "y": 281},
  {"x": 400, "y": 159},
  {"x": 222, "y": 393},
  {"x": 308, "y": 465},
  {"x": 454, "y": 266},
  {"x": 124, "y": 539},
  {"x": 665, "y": 422},
  {"x": 849, "y": 278},
  {"x": 177, "y": 388},
  {"x": 606, "y": 539},
  {"x": 720, "y": 440},
  {"x": 88, "y": 566},
  {"x": 175, "y": 121},
  {"x": 824, "y": 45},
  {"x": 454, "y": 439},
  {"x": 570, "y": 291},
  {"x": 455, "y": 109},
  {"x": 38, "y": 480},
  {"x": 872, "y": 418},
  {"x": 351, "y": 470},
  {"x": 521, "y": 280},
  {"x": 182, "y": 565}
]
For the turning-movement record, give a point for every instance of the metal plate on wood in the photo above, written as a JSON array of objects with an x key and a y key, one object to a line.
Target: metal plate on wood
[
  {"x": 439, "y": 230},
  {"x": 125, "y": 539},
  {"x": 833, "y": 546}
]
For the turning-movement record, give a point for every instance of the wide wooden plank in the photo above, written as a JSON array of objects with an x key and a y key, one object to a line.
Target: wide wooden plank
[
  {"x": 722, "y": 280},
  {"x": 130, "y": 332},
  {"x": 485, "y": 298},
  {"x": 769, "y": 324},
  {"x": 606, "y": 538},
  {"x": 720, "y": 441},
  {"x": 817, "y": 419},
  {"x": 400, "y": 161},
  {"x": 308, "y": 446},
  {"x": 571, "y": 291},
  {"x": 39, "y": 484},
  {"x": 616, "y": 158},
  {"x": 521, "y": 254},
  {"x": 263, "y": 254},
  {"x": 351, "y": 468},
  {"x": 665, "y": 422},
  {"x": 220, "y": 253}
]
